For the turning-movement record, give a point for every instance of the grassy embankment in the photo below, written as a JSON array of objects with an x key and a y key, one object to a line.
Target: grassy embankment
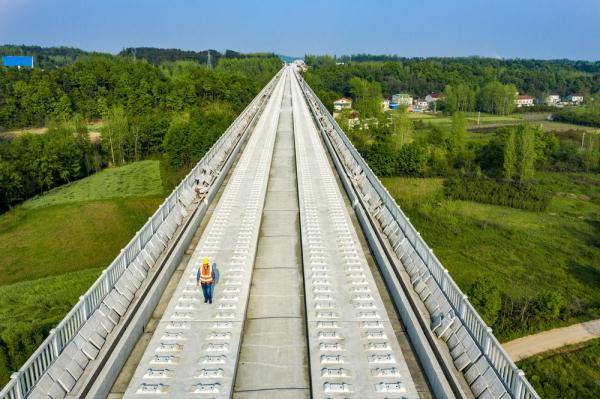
[
  {"x": 570, "y": 372},
  {"x": 55, "y": 245},
  {"x": 520, "y": 252}
]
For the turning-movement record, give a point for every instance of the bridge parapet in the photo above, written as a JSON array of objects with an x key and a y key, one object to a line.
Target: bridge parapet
[
  {"x": 54, "y": 368},
  {"x": 475, "y": 350}
]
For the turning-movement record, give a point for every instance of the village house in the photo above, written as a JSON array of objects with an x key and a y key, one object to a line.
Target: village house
[
  {"x": 575, "y": 98},
  {"x": 342, "y": 103},
  {"x": 422, "y": 104},
  {"x": 433, "y": 97},
  {"x": 402, "y": 99},
  {"x": 524, "y": 101},
  {"x": 552, "y": 99}
]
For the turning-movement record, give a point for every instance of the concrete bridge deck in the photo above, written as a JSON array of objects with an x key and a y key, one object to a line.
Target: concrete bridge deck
[{"x": 326, "y": 290}]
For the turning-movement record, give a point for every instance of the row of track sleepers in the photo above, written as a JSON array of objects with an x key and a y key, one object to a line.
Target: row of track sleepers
[
  {"x": 64, "y": 373},
  {"x": 352, "y": 346},
  {"x": 195, "y": 346},
  {"x": 467, "y": 356}
]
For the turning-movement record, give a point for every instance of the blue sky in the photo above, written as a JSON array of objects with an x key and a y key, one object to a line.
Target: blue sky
[{"x": 495, "y": 28}]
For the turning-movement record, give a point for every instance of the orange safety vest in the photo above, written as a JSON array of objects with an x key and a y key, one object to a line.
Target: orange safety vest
[{"x": 206, "y": 274}]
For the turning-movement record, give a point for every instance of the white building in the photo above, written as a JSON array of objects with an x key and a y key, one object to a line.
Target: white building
[
  {"x": 575, "y": 98},
  {"x": 385, "y": 104},
  {"x": 402, "y": 99},
  {"x": 342, "y": 103},
  {"x": 433, "y": 97},
  {"x": 421, "y": 103},
  {"x": 552, "y": 99},
  {"x": 524, "y": 101}
]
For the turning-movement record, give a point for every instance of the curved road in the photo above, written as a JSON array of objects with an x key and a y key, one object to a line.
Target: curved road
[{"x": 534, "y": 344}]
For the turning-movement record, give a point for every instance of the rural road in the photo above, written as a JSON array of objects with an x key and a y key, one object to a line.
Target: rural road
[{"x": 530, "y": 345}]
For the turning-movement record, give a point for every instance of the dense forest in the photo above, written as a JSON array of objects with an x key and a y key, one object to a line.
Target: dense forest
[
  {"x": 138, "y": 104},
  {"x": 158, "y": 56}
]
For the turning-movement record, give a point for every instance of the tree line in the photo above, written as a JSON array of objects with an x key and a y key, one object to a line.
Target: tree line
[
  {"x": 138, "y": 104},
  {"x": 420, "y": 76},
  {"x": 46, "y": 57},
  {"x": 500, "y": 170}
]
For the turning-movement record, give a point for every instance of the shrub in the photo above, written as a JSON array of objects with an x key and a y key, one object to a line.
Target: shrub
[
  {"x": 412, "y": 159},
  {"x": 527, "y": 196}
]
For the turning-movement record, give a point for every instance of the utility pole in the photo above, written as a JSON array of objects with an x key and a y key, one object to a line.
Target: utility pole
[{"x": 582, "y": 139}]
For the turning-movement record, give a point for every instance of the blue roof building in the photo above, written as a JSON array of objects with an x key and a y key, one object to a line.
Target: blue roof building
[{"x": 17, "y": 61}]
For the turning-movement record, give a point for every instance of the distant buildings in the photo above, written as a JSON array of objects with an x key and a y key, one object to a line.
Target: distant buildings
[
  {"x": 524, "y": 101},
  {"x": 301, "y": 64},
  {"x": 433, "y": 97},
  {"x": 402, "y": 99},
  {"x": 342, "y": 103},
  {"x": 422, "y": 104},
  {"x": 575, "y": 98},
  {"x": 552, "y": 99}
]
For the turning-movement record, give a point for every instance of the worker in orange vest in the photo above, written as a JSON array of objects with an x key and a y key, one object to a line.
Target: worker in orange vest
[{"x": 207, "y": 277}]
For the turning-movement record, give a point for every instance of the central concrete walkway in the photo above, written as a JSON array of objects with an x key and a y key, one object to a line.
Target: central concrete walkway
[{"x": 273, "y": 360}]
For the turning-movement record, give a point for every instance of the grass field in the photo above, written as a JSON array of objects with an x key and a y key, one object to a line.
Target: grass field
[
  {"x": 54, "y": 246},
  {"x": 472, "y": 117},
  {"x": 571, "y": 372},
  {"x": 522, "y": 252},
  {"x": 63, "y": 238},
  {"x": 139, "y": 179},
  {"x": 488, "y": 121},
  {"x": 29, "y": 309}
]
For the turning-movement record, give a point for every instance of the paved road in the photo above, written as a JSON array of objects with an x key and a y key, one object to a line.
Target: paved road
[{"x": 530, "y": 345}]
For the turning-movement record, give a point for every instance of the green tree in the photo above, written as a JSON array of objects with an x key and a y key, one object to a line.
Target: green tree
[
  {"x": 367, "y": 97},
  {"x": 401, "y": 129},
  {"x": 510, "y": 156},
  {"x": 116, "y": 129},
  {"x": 458, "y": 133},
  {"x": 548, "y": 304},
  {"x": 497, "y": 98},
  {"x": 591, "y": 152},
  {"x": 11, "y": 185},
  {"x": 62, "y": 108},
  {"x": 485, "y": 297},
  {"x": 411, "y": 160},
  {"x": 459, "y": 98},
  {"x": 526, "y": 154}
]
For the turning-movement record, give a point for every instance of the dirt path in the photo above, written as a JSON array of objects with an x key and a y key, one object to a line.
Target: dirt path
[{"x": 530, "y": 345}]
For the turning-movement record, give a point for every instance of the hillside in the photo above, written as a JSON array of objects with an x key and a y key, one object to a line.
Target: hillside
[{"x": 55, "y": 245}]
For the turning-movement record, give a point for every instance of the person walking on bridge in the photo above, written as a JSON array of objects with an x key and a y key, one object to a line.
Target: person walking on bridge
[{"x": 207, "y": 277}]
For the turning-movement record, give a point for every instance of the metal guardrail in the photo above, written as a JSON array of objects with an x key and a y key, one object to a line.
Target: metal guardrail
[
  {"x": 511, "y": 376},
  {"x": 23, "y": 381}
]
